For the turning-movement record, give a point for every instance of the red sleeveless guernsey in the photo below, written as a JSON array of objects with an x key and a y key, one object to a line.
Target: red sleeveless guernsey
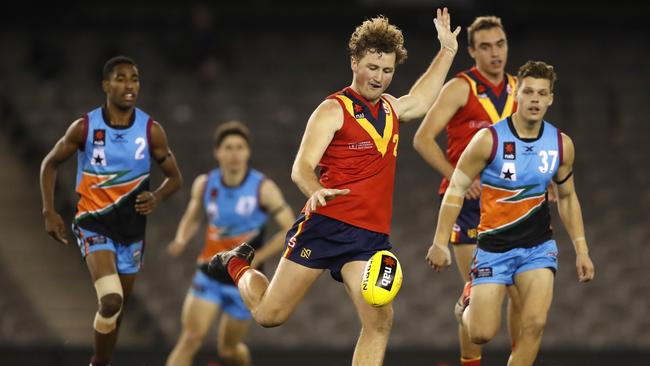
[
  {"x": 486, "y": 104},
  {"x": 361, "y": 157}
]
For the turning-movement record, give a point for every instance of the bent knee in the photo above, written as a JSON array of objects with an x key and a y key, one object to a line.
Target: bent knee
[
  {"x": 480, "y": 336},
  {"x": 110, "y": 304},
  {"x": 479, "y": 339},
  {"x": 270, "y": 318}
]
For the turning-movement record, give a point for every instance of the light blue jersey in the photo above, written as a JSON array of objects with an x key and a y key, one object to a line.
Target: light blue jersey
[
  {"x": 514, "y": 209},
  {"x": 112, "y": 169}
]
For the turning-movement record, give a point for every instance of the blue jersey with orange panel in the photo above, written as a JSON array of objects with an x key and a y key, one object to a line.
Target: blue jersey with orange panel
[
  {"x": 112, "y": 169},
  {"x": 514, "y": 207},
  {"x": 234, "y": 213}
]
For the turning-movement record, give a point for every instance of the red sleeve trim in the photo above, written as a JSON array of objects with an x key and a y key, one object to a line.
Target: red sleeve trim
[
  {"x": 495, "y": 141},
  {"x": 149, "y": 125},
  {"x": 259, "y": 193},
  {"x": 560, "y": 146},
  {"x": 84, "y": 133}
]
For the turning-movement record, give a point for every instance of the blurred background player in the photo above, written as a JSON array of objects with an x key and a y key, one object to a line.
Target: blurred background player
[
  {"x": 516, "y": 158},
  {"x": 474, "y": 99},
  {"x": 115, "y": 144},
  {"x": 238, "y": 201},
  {"x": 352, "y": 136}
]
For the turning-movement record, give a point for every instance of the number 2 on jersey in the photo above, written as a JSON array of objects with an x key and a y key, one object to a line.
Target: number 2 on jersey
[{"x": 142, "y": 144}]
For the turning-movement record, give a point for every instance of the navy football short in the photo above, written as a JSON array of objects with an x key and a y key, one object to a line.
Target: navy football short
[
  {"x": 317, "y": 241},
  {"x": 465, "y": 228}
]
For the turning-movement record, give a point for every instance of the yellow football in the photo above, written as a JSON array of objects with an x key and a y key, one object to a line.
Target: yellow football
[{"x": 382, "y": 279}]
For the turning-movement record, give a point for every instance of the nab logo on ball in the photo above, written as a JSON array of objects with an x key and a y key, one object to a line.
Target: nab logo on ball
[
  {"x": 387, "y": 271},
  {"x": 382, "y": 279}
]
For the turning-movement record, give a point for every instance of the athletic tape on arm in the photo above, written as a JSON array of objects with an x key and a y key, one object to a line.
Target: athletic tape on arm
[{"x": 458, "y": 186}]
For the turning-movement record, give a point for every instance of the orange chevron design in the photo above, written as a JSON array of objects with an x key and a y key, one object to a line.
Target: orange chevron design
[
  {"x": 215, "y": 244},
  {"x": 500, "y": 209},
  {"x": 97, "y": 195}
]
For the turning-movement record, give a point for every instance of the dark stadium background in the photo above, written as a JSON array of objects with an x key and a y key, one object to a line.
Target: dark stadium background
[{"x": 269, "y": 64}]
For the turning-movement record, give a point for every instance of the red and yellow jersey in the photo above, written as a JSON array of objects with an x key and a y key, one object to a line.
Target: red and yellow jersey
[
  {"x": 112, "y": 169},
  {"x": 361, "y": 157},
  {"x": 486, "y": 104}
]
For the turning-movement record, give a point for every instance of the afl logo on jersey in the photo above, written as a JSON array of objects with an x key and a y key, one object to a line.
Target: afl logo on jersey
[
  {"x": 99, "y": 137},
  {"x": 509, "y": 151}
]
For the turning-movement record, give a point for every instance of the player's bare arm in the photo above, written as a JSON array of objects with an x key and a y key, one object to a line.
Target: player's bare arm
[
  {"x": 62, "y": 151},
  {"x": 471, "y": 163},
  {"x": 570, "y": 211},
  {"x": 272, "y": 200},
  {"x": 320, "y": 130},
  {"x": 147, "y": 201},
  {"x": 425, "y": 90},
  {"x": 191, "y": 219},
  {"x": 453, "y": 97}
]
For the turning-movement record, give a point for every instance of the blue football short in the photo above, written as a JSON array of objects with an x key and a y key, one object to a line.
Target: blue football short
[
  {"x": 128, "y": 256},
  {"x": 225, "y": 295},
  {"x": 490, "y": 267},
  {"x": 317, "y": 241}
]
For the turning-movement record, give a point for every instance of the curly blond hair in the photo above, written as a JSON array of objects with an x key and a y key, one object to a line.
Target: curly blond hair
[{"x": 377, "y": 35}]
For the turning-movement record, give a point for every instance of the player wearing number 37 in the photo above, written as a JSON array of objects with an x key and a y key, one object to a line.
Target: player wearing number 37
[
  {"x": 516, "y": 158},
  {"x": 115, "y": 145}
]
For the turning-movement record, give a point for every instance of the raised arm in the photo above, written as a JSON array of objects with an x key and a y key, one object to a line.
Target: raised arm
[
  {"x": 425, "y": 90},
  {"x": 191, "y": 219},
  {"x": 471, "y": 163},
  {"x": 452, "y": 97},
  {"x": 73, "y": 140},
  {"x": 146, "y": 202},
  {"x": 321, "y": 127},
  {"x": 272, "y": 200},
  {"x": 570, "y": 211}
]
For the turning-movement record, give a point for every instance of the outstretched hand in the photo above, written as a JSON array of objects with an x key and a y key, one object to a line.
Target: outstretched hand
[
  {"x": 321, "y": 196},
  {"x": 443, "y": 27}
]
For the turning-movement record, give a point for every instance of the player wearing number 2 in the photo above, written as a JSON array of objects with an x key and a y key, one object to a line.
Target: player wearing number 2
[
  {"x": 115, "y": 144},
  {"x": 516, "y": 160}
]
